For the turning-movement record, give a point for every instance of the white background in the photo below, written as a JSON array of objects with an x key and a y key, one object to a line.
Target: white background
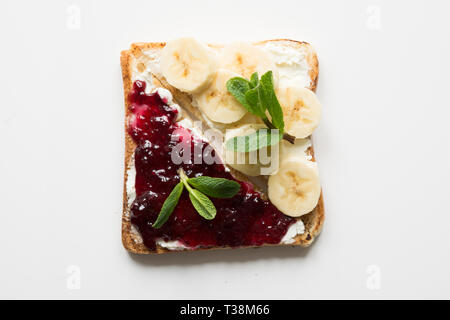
[{"x": 382, "y": 148}]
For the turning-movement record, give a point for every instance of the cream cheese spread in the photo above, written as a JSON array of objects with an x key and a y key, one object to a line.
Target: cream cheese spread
[{"x": 291, "y": 64}]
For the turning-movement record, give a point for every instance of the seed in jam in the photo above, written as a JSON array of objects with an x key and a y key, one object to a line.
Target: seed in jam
[{"x": 244, "y": 220}]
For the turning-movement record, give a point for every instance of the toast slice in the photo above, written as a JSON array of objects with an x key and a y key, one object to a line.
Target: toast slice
[{"x": 142, "y": 60}]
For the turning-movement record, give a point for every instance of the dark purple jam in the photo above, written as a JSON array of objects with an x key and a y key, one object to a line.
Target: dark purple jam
[{"x": 244, "y": 220}]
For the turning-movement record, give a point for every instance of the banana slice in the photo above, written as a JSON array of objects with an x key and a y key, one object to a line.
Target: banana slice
[
  {"x": 295, "y": 188},
  {"x": 188, "y": 65},
  {"x": 217, "y": 103},
  {"x": 260, "y": 162},
  {"x": 246, "y": 59},
  {"x": 301, "y": 110}
]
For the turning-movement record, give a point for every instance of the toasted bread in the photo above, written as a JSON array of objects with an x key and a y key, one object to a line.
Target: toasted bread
[{"x": 313, "y": 221}]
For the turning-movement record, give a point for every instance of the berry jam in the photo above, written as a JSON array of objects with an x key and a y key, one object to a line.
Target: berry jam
[{"x": 244, "y": 220}]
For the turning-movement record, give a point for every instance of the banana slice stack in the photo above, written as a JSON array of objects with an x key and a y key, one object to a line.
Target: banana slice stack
[{"x": 195, "y": 68}]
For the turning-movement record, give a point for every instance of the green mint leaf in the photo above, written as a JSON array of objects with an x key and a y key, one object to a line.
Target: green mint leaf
[
  {"x": 257, "y": 140},
  {"x": 215, "y": 187},
  {"x": 269, "y": 99},
  {"x": 202, "y": 204},
  {"x": 238, "y": 86},
  {"x": 168, "y": 206},
  {"x": 254, "y": 80},
  {"x": 253, "y": 97}
]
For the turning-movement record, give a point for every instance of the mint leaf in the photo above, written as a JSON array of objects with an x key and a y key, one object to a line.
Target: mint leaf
[
  {"x": 168, "y": 206},
  {"x": 253, "y": 97},
  {"x": 254, "y": 80},
  {"x": 269, "y": 99},
  {"x": 202, "y": 204},
  {"x": 257, "y": 140},
  {"x": 238, "y": 86},
  {"x": 215, "y": 187},
  {"x": 258, "y": 96}
]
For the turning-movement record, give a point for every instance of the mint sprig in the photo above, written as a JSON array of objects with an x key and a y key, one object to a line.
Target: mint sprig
[
  {"x": 258, "y": 96},
  {"x": 199, "y": 189}
]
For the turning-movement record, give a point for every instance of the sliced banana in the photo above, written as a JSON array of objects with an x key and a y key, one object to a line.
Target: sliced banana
[
  {"x": 246, "y": 59},
  {"x": 295, "y": 188},
  {"x": 188, "y": 64},
  {"x": 217, "y": 103},
  {"x": 260, "y": 162},
  {"x": 301, "y": 110}
]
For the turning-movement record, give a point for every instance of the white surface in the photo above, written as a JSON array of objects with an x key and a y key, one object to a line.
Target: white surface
[{"x": 382, "y": 148}]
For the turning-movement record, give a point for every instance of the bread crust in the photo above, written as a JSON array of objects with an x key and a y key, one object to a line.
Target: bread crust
[{"x": 313, "y": 221}]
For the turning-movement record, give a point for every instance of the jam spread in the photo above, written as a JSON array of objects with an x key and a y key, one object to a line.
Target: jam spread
[{"x": 244, "y": 220}]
